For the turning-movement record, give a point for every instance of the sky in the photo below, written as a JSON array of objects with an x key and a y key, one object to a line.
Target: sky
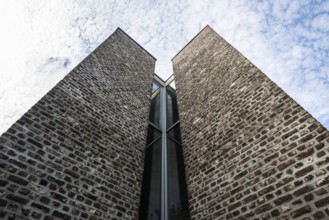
[{"x": 41, "y": 41}]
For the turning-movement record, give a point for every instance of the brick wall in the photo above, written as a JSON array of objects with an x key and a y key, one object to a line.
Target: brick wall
[
  {"x": 78, "y": 153},
  {"x": 250, "y": 150}
]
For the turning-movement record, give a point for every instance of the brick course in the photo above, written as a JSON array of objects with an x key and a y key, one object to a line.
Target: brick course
[
  {"x": 250, "y": 150},
  {"x": 78, "y": 153}
]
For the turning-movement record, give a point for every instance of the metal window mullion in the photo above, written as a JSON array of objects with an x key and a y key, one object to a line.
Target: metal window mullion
[
  {"x": 172, "y": 139},
  {"x": 164, "y": 173},
  {"x": 155, "y": 140},
  {"x": 169, "y": 80},
  {"x": 155, "y": 127},
  {"x": 174, "y": 125}
]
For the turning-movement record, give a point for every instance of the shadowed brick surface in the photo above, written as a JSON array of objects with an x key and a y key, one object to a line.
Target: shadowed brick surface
[
  {"x": 250, "y": 150},
  {"x": 78, "y": 153}
]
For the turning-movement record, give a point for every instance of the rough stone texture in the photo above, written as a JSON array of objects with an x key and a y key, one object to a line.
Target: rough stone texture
[
  {"x": 250, "y": 150},
  {"x": 78, "y": 153}
]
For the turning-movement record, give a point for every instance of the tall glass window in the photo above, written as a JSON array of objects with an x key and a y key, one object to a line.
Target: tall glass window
[
  {"x": 151, "y": 190},
  {"x": 177, "y": 193},
  {"x": 155, "y": 111},
  {"x": 164, "y": 192},
  {"x": 172, "y": 108}
]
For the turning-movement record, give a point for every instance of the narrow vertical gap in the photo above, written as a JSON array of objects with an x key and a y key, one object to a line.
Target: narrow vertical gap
[
  {"x": 164, "y": 192},
  {"x": 178, "y": 208},
  {"x": 150, "y": 207}
]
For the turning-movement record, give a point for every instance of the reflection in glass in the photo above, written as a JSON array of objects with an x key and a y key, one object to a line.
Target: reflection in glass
[
  {"x": 150, "y": 207},
  {"x": 174, "y": 133},
  {"x": 154, "y": 87},
  {"x": 177, "y": 193},
  {"x": 172, "y": 108},
  {"x": 152, "y": 134},
  {"x": 155, "y": 111}
]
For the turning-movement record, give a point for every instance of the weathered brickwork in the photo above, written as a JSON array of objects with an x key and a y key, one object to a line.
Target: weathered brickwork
[
  {"x": 251, "y": 152},
  {"x": 78, "y": 153}
]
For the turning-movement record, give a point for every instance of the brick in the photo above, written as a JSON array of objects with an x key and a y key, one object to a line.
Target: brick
[
  {"x": 319, "y": 215},
  {"x": 266, "y": 190},
  {"x": 17, "y": 180},
  {"x": 44, "y": 200},
  {"x": 36, "y": 215},
  {"x": 283, "y": 199},
  {"x": 286, "y": 164},
  {"x": 321, "y": 191},
  {"x": 298, "y": 183},
  {"x": 18, "y": 199},
  {"x": 61, "y": 215},
  {"x": 301, "y": 211},
  {"x": 297, "y": 202},
  {"x": 322, "y": 162},
  {"x": 72, "y": 173},
  {"x": 275, "y": 213},
  {"x": 35, "y": 143},
  {"x": 285, "y": 136},
  {"x": 309, "y": 197},
  {"x": 271, "y": 157},
  {"x": 268, "y": 173},
  {"x": 305, "y": 154},
  {"x": 24, "y": 191},
  {"x": 234, "y": 206},
  {"x": 264, "y": 208},
  {"x": 3, "y": 182},
  {"x": 322, "y": 202},
  {"x": 322, "y": 137},
  {"x": 323, "y": 181},
  {"x": 284, "y": 181},
  {"x": 303, "y": 190},
  {"x": 308, "y": 177},
  {"x": 243, "y": 173},
  {"x": 41, "y": 207},
  {"x": 304, "y": 171},
  {"x": 250, "y": 198},
  {"x": 3, "y": 202},
  {"x": 238, "y": 189},
  {"x": 319, "y": 146},
  {"x": 288, "y": 148}
]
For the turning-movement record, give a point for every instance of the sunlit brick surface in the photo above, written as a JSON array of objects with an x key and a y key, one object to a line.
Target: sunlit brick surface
[
  {"x": 78, "y": 153},
  {"x": 251, "y": 152}
]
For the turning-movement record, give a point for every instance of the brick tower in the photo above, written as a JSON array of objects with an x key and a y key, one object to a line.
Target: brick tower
[
  {"x": 85, "y": 149},
  {"x": 79, "y": 152},
  {"x": 251, "y": 152}
]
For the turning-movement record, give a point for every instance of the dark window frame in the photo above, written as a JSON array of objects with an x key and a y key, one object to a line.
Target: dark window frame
[{"x": 172, "y": 171}]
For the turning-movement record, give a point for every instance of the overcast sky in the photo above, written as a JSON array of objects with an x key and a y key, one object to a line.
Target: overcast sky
[{"x": 41, "y": 41}]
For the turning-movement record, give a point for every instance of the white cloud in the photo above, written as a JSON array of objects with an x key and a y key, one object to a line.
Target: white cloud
[
  {"x": 321, "y": 22},
  {"x": 43, "y": 40}
]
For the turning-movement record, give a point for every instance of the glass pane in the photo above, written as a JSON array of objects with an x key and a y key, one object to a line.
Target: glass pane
[
  {"x": 150, "y": 207},
  {"x": 175, "y": 133},
  {"x": 172, "y": 108},
  {"x": 154, "y": 87},
  {"x": 177, "y": 193},
  {"x": 155, "y": 111},
  {"x": 152, "y": 134}
]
